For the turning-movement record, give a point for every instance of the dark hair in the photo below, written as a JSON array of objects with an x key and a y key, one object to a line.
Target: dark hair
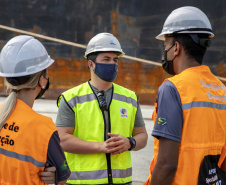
[
  {"x": 192, "y": 49},
  {"x": 93, "y": 56}
]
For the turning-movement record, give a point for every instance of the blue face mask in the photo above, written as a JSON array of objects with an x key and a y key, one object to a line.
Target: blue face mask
[{"x": 106, "y": 72}]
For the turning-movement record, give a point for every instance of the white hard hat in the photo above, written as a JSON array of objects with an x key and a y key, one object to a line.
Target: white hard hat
[
  {"x": 104, "y": 42},
  {"x": 186, "y": 19},
  {"x": 23, "y": 55}
]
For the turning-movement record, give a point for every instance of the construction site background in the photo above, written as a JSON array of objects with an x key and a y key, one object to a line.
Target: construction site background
[{"x": 134, "y": 23}]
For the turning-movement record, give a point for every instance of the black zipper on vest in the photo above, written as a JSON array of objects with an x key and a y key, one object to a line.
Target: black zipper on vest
[
  {"x": 110, "y": 182},
  {"x": 108, "y": 156}
]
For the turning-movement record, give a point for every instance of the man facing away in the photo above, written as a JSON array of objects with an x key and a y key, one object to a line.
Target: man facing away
[
  {"x": 190, "y": 109},
  {"x": 100, "y": 122}
]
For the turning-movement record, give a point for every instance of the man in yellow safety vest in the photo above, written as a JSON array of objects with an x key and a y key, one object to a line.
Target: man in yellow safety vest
[{"x": 100, "y": 122}]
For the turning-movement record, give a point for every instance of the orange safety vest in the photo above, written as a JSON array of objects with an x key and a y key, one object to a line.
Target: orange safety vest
[
  {"x": 24, "y": 141},
  {"x": 203, "y": 99}
]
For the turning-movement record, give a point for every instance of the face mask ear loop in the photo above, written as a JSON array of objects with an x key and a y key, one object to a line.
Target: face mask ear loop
[
  {"x": 166, "y": 51},
  {"x": 170, "y": 47}
]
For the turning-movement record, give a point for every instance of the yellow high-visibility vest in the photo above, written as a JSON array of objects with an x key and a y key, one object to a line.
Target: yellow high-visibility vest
[{"x": 100, "y": 168}]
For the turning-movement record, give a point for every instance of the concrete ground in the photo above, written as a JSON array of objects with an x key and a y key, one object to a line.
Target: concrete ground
[{"x": 140, "y": 159}]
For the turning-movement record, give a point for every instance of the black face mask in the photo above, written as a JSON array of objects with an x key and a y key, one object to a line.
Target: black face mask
[
  {"x": 43, "y": 90},
  {"x": 167, "y": 64}
]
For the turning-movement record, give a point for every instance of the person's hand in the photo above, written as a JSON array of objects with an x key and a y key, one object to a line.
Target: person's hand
[
  {"x": 117, "y": 144},
  {"x": 48, "y": 176},
  {"x": 103, "y": 147}
]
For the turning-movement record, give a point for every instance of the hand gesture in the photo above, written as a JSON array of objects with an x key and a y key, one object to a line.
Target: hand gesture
[
  {"x": 117, "y": 144},
  {"x": 48, "y": 176}
]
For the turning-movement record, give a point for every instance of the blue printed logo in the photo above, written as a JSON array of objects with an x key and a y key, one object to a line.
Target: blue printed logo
[
  {"x": 123, "y": 112},
  {"x": 112, "y": 42}
]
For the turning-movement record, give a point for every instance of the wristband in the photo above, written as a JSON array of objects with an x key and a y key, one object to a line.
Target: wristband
[{"x": 132, "y": 142}]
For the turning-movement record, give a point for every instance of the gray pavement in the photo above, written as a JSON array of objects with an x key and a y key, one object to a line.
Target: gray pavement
[{"x": 140, "y": 159}]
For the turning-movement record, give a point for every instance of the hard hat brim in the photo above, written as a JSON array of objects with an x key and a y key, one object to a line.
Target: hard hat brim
[
  {"x": 161, "y": 36},
  {"x": 49, "y": 62},
  {"x": 105, "y": 50}
]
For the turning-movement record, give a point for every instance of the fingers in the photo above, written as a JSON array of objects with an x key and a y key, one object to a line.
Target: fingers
[
  {"x": 117, "y": 144},
  {"x": 50, "y": 169},
  {"x": 48, "y": 176},
  {"x": 116, "y": 150},
  {"x": 45, "y": 179},
  {"x": 114, "y": 141},
  {"x": 48, "y": 179},
  {"x": 113, "y": 135}
]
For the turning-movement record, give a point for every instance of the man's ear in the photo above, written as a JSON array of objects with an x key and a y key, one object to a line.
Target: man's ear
[
  {"x": 91, "y": 64},
  {"x": 177, "y": 48}
]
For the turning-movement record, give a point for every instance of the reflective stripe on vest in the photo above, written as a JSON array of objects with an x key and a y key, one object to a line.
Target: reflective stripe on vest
[
  {"x": 22, "y": 157},
  {"x": 91, "y": 97},
  {"x": 203, "y": 104},
  {"x": 81, "y": 99},
  {"x": 125, "y": 99},
  {"x": 90, "y": 126},
  {"x": 90, "y": 175},
  {"x": 204, "y": 128}
]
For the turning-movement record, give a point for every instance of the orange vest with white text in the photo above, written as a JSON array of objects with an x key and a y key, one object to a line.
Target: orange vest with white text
[
  {"x": 24, "y": 141},
  {"x": 203, "y": 99}
]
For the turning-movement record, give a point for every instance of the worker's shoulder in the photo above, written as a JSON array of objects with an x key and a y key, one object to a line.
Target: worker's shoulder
[
  {"x": 78, "y": 88},
  {"x": 167, "y": 84},
  {"x": 39, "y": 120},
  {"x": 39, "y": 117},
  {"x": 167, "y": 87},
  {"x": 119, "y": 88}
]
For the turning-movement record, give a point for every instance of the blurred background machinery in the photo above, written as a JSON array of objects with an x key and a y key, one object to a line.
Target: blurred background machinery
[{"x": 134, "y": 22}]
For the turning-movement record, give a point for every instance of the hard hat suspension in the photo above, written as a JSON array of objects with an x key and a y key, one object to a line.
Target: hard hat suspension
[{"x": 204, "y": 42}]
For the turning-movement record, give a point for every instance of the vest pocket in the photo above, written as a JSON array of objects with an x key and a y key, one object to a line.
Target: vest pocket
[{"x": 210, "y": 173}]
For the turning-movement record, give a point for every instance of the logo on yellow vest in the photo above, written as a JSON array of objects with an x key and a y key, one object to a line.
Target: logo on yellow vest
[
  {"x": 161, "y": 121},
  {"x": 123, "y": 113}
]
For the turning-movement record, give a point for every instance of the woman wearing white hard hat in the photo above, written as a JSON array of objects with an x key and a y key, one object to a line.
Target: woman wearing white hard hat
[{"x": 29, "y": 142}]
